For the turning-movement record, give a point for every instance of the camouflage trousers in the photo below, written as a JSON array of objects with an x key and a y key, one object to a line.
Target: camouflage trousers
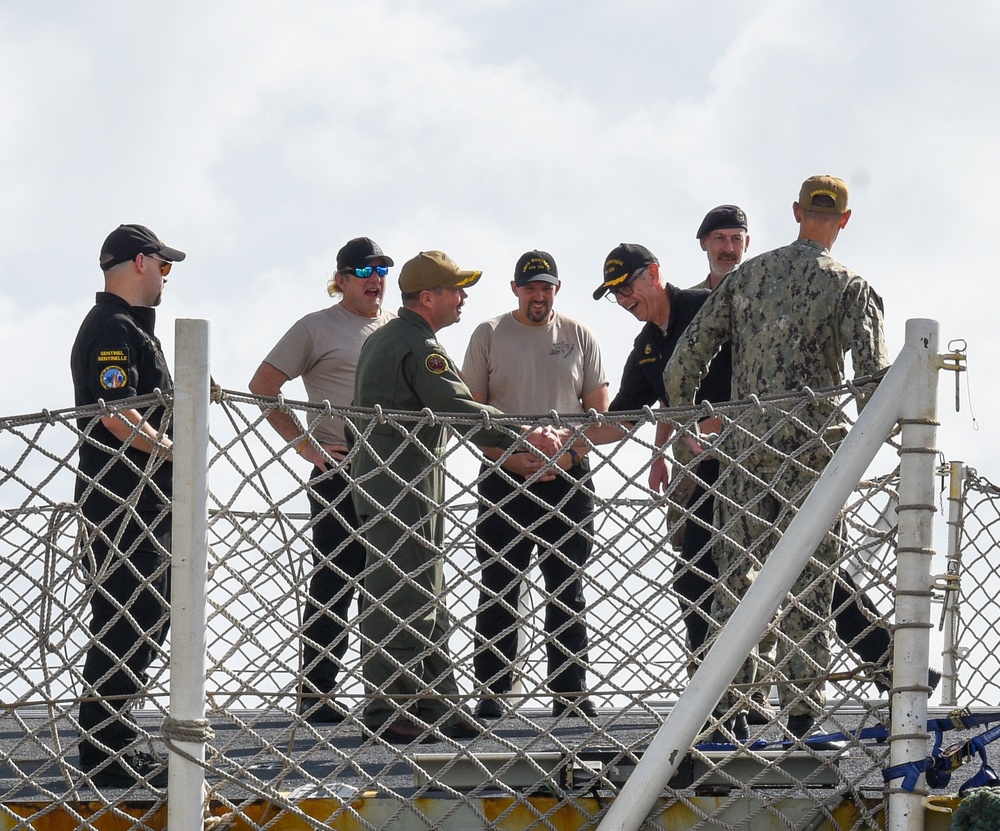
[{"x": 753, "y": 518}]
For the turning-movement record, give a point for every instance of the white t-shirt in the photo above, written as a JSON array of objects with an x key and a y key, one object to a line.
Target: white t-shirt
[
  {"x": 323, "y": 349},
  {"x": 533, "y": 369}
]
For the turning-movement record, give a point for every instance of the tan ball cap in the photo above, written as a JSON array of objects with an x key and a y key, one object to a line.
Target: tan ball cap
[
  {"x": 434, "y": 269},
  {"x": 817, "y": 193}
]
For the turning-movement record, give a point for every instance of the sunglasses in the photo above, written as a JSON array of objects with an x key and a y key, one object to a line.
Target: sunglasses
[
  {"x": 164, "y": 265},
  {"x": 368, "y": 270}
]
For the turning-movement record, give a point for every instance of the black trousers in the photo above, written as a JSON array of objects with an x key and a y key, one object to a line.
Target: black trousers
[
  {"x": 696, "y": 571},
  {"x": 504, "y": 551},
  {"x": 129, "y": 621},
  {"x": 858, "y": 621},
  {"x": 338, "y": 560}
]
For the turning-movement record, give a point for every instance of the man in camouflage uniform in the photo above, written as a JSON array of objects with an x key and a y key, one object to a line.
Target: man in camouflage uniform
[
  {"x": 791, "y": 315},
  {"x": 724, "y": 236},
  {"x": 406, "y": 662}
]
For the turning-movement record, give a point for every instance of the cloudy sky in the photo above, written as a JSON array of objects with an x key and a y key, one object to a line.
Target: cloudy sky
[{"x": 260, "y": 136}]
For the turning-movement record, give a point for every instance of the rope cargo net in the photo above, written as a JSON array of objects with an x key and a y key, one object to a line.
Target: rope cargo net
[{"x": 265, "y": 759}]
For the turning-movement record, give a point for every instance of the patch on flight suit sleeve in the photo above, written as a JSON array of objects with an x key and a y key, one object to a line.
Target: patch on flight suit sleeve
[
  {"x": 113, "y": 377},
  {"x": 436, "y": 363}
]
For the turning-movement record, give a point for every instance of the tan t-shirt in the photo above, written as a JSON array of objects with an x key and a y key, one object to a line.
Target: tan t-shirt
[
  {"x": 323, "y": 349},
  {"x": 533, "y": 369}
]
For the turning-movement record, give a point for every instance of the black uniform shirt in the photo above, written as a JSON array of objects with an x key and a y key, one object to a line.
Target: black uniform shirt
[
  {"x": 642, "y": 378},
  {"x": 116, "y": 355}
]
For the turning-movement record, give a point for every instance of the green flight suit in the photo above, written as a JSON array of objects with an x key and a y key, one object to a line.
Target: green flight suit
[{"x": 406, "y": 663}]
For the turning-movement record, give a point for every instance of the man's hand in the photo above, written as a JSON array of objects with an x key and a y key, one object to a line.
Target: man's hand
[
  {"x": 527, "y": 464},
  {"x": 710, "y": 425},
  {"x": 311, "y": 453},
  {"x": 694, "y": 445},
  {"x": 548, "y": 440},
  {"x": 659, "y": 475}
]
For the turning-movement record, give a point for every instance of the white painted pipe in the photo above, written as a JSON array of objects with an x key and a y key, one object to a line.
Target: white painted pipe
[
  {"x": 189, "y": 567},
  {"x": 911, "y": 638}
]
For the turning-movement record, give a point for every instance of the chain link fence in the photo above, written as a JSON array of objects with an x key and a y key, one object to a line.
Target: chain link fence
[
  {"x": 973, "y": 569},
  {"x": 287, "y": 640}
]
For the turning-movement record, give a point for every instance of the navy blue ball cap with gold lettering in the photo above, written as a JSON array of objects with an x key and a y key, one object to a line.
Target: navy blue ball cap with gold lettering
[
  {"x": 723, "y": 216},
  {"x": 623, "y": 261},
  {"x": 127, "y": 242},
  {"x": 536, "y": 266}
]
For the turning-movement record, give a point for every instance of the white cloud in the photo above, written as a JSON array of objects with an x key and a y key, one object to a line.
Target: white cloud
[{"x": 259, "y": 137}]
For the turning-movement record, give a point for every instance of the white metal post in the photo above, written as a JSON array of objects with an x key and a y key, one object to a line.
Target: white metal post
[
  {"x": 911, "y": 639},
  {"x": 188, "y": 574},
  {"x": 953, "y": 584},
  {"x": 738, "y": 637}
]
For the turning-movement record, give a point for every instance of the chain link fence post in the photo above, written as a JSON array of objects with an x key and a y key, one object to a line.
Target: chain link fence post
[
  {"x": 189, "y": 570},
  {"x": 951, "y": 611}
]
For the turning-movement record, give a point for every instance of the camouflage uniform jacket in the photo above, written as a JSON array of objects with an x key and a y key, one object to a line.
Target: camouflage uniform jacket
[{"x": 791, "y": 315}]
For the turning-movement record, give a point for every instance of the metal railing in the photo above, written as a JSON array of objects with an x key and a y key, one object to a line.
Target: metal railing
[{"x": 234, "y": 695}]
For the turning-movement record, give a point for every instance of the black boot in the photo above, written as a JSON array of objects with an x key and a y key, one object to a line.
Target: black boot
[
  {"x": 801, "y": 727},
  {"x": 730, "y": 730}
]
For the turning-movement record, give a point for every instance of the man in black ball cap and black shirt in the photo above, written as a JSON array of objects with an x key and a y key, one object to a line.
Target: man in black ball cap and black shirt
[
  {"x": 124, "y": 488},
  {"x": 634, "y": 280}
]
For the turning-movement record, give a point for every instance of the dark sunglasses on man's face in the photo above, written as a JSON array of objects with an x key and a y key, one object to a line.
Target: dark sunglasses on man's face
[
  {"x": 164, "y": 265},
  {"x": 368, "y": 270}
]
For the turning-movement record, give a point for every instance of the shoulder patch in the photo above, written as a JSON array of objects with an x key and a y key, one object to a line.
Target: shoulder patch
[
  {"x": 436, "y": 363},
  {"x": 113, "y": 356},
  {"x": 113, "y": 377}
]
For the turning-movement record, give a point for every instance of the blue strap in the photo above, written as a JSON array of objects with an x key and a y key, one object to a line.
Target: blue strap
[
  {"x": 940, "y": 763},
  {"x": 937, "y": 766},
  {"x": 985, "y": 777},
  {"x": 910, "y": 771}
]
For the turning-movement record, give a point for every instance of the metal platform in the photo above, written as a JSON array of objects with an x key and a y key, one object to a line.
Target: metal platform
[{"x": 710, "y": 773}]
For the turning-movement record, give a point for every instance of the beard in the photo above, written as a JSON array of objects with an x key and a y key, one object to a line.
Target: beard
[{"x": 538, "y": 315}]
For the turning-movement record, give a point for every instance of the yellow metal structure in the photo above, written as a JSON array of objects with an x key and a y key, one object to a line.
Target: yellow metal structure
[{"x": 422, "y": 814}]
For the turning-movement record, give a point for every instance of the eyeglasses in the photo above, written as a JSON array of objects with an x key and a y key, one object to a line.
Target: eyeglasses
[
  {"x": 164, "y": 264},
  {"x": 368, "y": 270},
  {"x": 626, "y": 289}
]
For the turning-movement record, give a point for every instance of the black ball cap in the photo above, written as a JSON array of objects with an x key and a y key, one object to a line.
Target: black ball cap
[
  {"x": 359, "y": 252},
  {"x": 724, "y": 216},
  {"x": 624, "y": 260},
  {"x": 127, "y": 242},
  {"x": 536, "y": 266}
]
